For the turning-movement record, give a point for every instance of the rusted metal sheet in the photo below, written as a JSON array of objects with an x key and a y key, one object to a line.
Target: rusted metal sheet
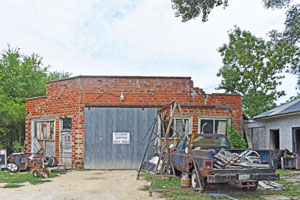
[{"x": 114, "y": 137}]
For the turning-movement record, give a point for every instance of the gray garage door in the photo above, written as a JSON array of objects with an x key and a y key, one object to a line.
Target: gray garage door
[{"x": 113, "y": 137}]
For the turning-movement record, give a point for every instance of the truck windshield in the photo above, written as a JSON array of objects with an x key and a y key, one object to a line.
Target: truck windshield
[{"x": 210, "y": 141}]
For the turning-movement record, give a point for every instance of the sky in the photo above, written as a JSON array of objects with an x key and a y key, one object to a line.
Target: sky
[{"x": 132, "y": 37}]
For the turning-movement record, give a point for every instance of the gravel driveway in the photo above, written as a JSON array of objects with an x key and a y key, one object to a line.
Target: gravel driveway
[{"x": 89, "y": 185}]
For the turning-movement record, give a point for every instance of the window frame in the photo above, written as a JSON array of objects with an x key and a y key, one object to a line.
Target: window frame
[
  {"x": 178, "y": 117},
  {"x": 34, "y": 128},
  {"x": 62, "y": 123},
  {"x": 33, "y": 131},
  {"x": 214, "y": 118}
]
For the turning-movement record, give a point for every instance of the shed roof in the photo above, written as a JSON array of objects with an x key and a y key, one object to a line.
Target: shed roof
[{"x": 287, "y": 108}]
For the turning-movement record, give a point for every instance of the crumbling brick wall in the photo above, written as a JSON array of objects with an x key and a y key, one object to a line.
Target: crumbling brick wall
[{"x": 70, "y": 96}]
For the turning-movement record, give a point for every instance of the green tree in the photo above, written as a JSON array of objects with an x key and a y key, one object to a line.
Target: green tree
[
  {"x": 190, "y": 9},
  {"x": 253, "y": 67},
  {"x": 292, "y": 25},
  {"x": 21, "y": 77}
]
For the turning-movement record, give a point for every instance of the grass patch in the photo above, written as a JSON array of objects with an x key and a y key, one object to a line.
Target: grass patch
[
  {"x": 284, "y": 172},
  {"x": 12, "y": 185},
  {"x": 292, "y": 191},
  {"x": 22, "y": 177}
]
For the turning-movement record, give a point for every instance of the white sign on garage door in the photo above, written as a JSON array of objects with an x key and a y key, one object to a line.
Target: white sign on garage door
[{"x": 121, "y": 138}]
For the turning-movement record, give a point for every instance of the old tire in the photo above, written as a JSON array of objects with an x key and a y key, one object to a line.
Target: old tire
[
  {"x": 62, "y": 171},
  {"x": 47, "y": 161},
  {"x": 54, "y": 161},
  {"x": 194, "y": 180}
]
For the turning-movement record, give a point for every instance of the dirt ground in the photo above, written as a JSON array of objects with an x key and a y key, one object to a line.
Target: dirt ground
[{"x": 80, "y": 185}]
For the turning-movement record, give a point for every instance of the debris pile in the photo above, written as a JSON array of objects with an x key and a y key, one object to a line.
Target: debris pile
[
  {"x": 276, "y": 157},
  {"x": 225, "y": 159},
  {"x": 285, "y": 159},
  {"x": 270, "y": 185}
]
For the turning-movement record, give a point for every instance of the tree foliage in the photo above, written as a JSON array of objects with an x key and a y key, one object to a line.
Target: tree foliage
[
  {"x": 292, "y": 25},
  {"x": 190, "y": 9},
  {"x": 252, "y": 67},
  {"x": 21, "y": 77}
]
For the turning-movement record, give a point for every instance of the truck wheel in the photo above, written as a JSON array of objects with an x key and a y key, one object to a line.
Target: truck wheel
[{"x": 194, "y": 180}]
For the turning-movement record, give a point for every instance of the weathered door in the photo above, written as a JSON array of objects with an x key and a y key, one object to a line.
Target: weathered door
[
  {"x": 115, "y": 137},
  {"x": 66, "y": 149}
]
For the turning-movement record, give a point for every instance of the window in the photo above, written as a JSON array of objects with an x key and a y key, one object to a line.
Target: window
[
  {"x": 210, "y": 141},
  {"x": 44, "y": 130},
  {"x": 67, "y": 123},
  {"x": 178, "y": 126},
  {"x": 212, "y": 125}
]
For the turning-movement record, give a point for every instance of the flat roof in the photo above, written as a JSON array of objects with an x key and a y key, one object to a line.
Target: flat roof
[{"x": 118, "y": 76}]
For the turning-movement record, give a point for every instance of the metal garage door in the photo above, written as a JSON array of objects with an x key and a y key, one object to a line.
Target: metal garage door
[{"x": 114, "y": 137}]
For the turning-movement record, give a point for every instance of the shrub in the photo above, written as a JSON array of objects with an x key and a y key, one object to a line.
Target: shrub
[
  {"x": 18, "y": 147},
  {"x": 234, "y": 136}
]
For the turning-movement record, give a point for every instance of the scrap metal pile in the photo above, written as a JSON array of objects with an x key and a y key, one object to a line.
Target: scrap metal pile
[
  {"x": 34, "y": 163},
  {"x": 285, "y": 159},
  {"x": 225, "y": 159}
]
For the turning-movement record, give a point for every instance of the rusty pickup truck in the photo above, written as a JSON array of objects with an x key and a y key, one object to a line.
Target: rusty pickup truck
[{"x": 203, "y": 149}]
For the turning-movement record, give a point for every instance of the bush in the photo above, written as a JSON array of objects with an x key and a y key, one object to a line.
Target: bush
[
  {"x": 18, "y": 147},
  {"x": 235, "y": 139}
]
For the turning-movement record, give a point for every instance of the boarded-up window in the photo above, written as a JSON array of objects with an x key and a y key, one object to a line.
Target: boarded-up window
[
  {"x": 45, "y": 136},
  {"x": 44, "y": 130}
]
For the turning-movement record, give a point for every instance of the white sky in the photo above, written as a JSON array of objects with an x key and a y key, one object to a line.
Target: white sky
[{"x": 131, "y": 37}]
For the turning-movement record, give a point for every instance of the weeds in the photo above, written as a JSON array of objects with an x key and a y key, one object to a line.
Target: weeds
[
  {"x": 13, "y": 180},
  {"x": 292, "y": 191}
]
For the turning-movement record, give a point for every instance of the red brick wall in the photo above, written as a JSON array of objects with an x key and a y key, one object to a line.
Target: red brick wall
[{"x": 69, "y": 97}]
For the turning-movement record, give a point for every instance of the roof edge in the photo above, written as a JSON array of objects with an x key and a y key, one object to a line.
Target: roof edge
[
  {"x": 119, "y": 76},
  {"x": 277, "y": 115}
]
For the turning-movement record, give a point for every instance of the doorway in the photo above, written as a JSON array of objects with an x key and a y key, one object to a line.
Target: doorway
[
  {"x": 274, "y": 139},
  {"x": 296, "y": 139},
  {"x": 66, "y": 143}
]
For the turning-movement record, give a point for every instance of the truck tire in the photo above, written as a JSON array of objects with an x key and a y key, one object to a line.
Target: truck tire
[{"x": 194, "y": 180}]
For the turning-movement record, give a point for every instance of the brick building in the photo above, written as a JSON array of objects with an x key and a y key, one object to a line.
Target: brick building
[{"x": 101, "y": 121}]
